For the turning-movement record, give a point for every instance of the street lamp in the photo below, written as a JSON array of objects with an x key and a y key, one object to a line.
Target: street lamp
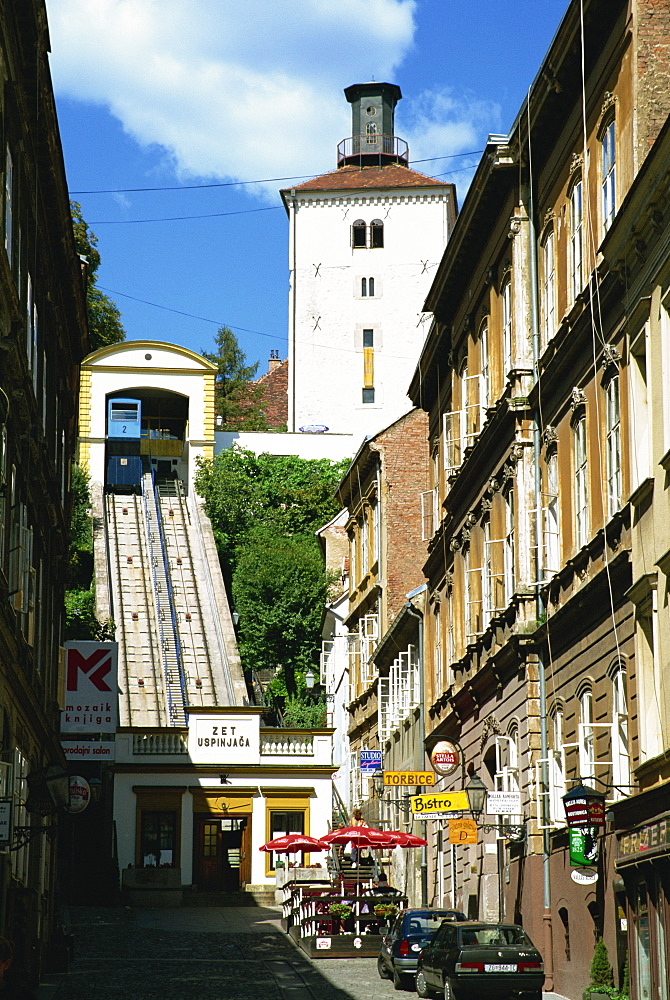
[
  {"x": 310, "y": 679},
  {"x": 379, "y": 788}
]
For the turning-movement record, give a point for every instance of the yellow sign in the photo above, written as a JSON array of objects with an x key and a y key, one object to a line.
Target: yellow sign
[
  {"x": 439, "y": 802},
  {"x": 409, "y": 778},
  {"x": 462, "y": 831}
]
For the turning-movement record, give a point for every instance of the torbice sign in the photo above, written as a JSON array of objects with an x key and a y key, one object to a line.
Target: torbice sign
[
  {"x": 224, "y": 738},
  {"x": 91, "y": 691},
  {"x": 409, "y": 778}
]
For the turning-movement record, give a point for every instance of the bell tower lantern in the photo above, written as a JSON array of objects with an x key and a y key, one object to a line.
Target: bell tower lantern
[{"x": 373, "y": 141}]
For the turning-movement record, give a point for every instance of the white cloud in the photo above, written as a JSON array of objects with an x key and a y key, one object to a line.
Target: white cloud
[{"x": 232, "y": 89}]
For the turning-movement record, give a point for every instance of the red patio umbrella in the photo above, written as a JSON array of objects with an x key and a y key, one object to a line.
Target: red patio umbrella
[
  {"x": 292, "y": 843},
  {"x": 403, "y": 839},
  {"x": 358, "y": 836}
]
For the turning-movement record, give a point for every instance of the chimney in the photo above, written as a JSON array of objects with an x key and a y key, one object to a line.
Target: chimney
[{"x": 274, "y": 361}]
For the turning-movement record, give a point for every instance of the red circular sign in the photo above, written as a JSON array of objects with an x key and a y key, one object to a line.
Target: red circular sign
[{"x": 445, "y": 758}]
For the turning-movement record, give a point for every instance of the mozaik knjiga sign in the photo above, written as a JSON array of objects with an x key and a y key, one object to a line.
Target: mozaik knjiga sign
[{"x": 224, "y": 739}]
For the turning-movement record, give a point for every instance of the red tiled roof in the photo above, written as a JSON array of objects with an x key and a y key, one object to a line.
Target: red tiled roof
[{"x": 351, "y": 178}]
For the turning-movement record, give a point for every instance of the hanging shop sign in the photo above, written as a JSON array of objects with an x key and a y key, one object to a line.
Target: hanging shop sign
[
  {"x": 445, "y": 758},
  {"x": 462, "y": 831},
  {"x": 584, "y": 876},
  {"x": 651, "y": 839},
  {"x": 584, "y": 806},
  {"x": 369, "y": 761},
  {"x": 503, "y": 803},
  {"x": 5, "y": 821},
  {"x": 583, "y": 846},
  {"x": 91, "y": 698},
  {"x": 80, "y": 794},
  {"x": 434, "y": 805},
  {"x": 406, "y": 778}
]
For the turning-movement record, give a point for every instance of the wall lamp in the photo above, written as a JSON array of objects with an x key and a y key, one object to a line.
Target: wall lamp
[
  {"x": 379, "y": 787},
  {"x": 311, "y": 685},
  {"x": 477, "y": 791},
  {"x": 48, "y": 793}
]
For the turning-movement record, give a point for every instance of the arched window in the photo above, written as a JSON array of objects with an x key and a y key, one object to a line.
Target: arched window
[
  {"x": 557, "y": 787},
  {"x": 506, "y": 295},
  {"x": 371, "y": 132},
  {"x": 548, "y": 302},
  {"x": 552, "y": 538},
  {"x": 613, "y": 452},
  {"x": 581, "y": 486},
  {"x": 608, "y": 174},
  {"x": 485, "y": 394},
  {"x": 510, "y": 557},
  {"x": 371, "y": 287},
  {"x": 620, "y": 742},
  {"x": 376, "y": 234},
  {"x": 364, "y": 287},
  {"x": 587, "y": 758},
  {"x": 358, "y": 233},
  {"x": 576, "y": 239}
]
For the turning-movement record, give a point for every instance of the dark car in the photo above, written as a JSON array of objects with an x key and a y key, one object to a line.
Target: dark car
[
  {"x": 411, "y": 932},
  {"x": 475, "y": 959}
]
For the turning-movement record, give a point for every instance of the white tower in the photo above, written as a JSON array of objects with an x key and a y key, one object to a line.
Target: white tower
[{"x": 364, "y": 244}]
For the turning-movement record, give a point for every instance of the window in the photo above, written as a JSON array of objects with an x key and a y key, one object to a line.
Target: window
[
  {"x": 368, "y": 338},
  {"x": 368, "y": 396},
  {"x": 367, "y": 287},
  {"x": 437, "y": 663},
  {"x": 9, "y": 205},
  {"x": 608, "y": 179},
  {"x": 613, "y": 453},
  {"x": 576, "y": 235},
  {"x": 509, "y": 546},
  {"x": 376, "y": 234},
  {"x": 485, "y": 386},
  {"x": 371, "y": 132},
  {"x": 642, "y": 415},
  {"x": 620, "y": 743},
  {"x": 358, "y": 234},
  {"x": 581, "y": 491},
  {"x": 587, "y": 759},
  {"x": 283, "y": 823},
  {"x": 364, "y": 287},
  {"x": 506, "y": 295},
  {"x": 158, "y": 838},
  {"x": 3, "y": 491},
  {"x": 557, "y": 783},
  {"x": 548, "y": 320},
  {"x": 552, "y": 539}
]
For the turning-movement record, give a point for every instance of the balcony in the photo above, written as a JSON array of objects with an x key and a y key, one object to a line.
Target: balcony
[{"x": 372, "y": 151}]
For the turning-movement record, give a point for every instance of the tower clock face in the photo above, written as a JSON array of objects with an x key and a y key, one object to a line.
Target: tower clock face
[{"x": 371, "y": 111}]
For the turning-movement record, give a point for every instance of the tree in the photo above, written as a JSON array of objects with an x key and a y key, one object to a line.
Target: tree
[
  {"x": 293, "y": 496},
  {"x": 280, "y": 587},
  {"x": 104, "y": 318},
  {"x": 238, "y": 399},
  {"x": 80, "y": 618}
]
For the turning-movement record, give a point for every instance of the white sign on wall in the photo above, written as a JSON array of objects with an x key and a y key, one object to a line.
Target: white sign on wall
[
  {"x": 91, "y": 688},
  {"x": 503, "y": 803},
  {"x": 224, "y": 739},
  {"x": 88, "y": 750}
]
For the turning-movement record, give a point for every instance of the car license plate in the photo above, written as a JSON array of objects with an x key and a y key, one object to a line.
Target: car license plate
[{"x": 500, "y": 968}]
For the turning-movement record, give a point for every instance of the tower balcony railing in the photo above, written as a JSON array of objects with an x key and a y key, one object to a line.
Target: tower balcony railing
[{"x": 372, "y": 150}]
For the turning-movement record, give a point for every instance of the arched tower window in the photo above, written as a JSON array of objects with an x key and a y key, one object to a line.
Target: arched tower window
[
  {"x": 376, "y": 234},
  {"x": 358, "y": 240}
]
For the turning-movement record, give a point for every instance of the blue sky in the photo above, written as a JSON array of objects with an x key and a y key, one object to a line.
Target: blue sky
[{"x": 178, "y": 94}]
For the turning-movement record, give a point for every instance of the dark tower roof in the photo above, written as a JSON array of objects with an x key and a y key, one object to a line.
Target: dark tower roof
[{"x": 373, "y": 141}]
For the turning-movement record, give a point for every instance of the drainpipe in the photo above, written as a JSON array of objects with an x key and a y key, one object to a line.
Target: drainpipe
[
  {"x": 539, "y": 603},
  {"x": 294, "y": 291},
  {"x": 411, "y": 610}
]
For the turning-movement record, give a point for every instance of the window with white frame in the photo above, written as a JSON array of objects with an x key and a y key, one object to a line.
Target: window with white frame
[
  {"x": 510, "y": 556},
  {"x": 608, "y": 175},
  {"x": 613, "y": 448},
  {"x": 506, "y": 296},
  {"x": 485, "y": 381},
  {"x": 557, "y": 767},
  {"x": 374, "y": 528},
  {"x": 552, "y": 538},
  {"x": 548, "y": 298},
  {"x": 365, "y": 550},
  {"x": 437, "y": 646},
  {"x": 641, "y": 413},
  {"x": 620, "y": 741},
  {"x": 587, "y": 757},
  {"x": 581, "y": 488},
  {"x": 472, "y": 595},
  {"x": 353, "y": 562},
  {"x": 384, "y": 709},
  {"x": 451, "y": 635},
  {"x": 576, "y": 239}
]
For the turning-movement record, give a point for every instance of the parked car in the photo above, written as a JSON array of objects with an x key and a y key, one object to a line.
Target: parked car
[
  {"x": 470, "y": 960},
  {"x": 411, "y": 932}
]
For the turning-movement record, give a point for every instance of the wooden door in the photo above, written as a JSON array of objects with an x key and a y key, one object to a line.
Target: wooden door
[
  {"x": 222, "y": 853},
  {"x": 207, "y": 861}
]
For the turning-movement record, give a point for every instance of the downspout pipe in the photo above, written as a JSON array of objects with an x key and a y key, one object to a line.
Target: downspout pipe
[
  {"x": 539, "y": 603},
  {"x": 414, "y": 611}
]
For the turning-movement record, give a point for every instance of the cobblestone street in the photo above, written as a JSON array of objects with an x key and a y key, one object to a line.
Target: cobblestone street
[{"x": 209, "y": 954}]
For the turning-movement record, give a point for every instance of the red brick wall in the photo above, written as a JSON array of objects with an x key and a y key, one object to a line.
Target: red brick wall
[
  {"x": 405, "y": 475},
  {"x": 653, "y": 71}
]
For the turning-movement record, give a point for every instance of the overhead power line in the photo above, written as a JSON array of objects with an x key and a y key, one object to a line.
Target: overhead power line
[{"x": 264, "y": 180}]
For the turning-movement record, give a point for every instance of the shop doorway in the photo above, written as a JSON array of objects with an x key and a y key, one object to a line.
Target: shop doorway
[{"x": 222, "y": 859}]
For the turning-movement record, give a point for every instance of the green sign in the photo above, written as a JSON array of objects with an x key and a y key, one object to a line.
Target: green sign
[{"x": 583, "y": 845}]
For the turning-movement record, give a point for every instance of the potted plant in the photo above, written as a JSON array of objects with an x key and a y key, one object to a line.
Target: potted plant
[
  {"x": 341, "y": 911},
  {"x": 601, "y": 986},
  {"x": 386, "y": 911}
]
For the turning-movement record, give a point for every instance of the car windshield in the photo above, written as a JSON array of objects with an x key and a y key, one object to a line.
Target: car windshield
[
  {"x": 493, "y": 934},
  {"x": 426, "y": 923}
]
